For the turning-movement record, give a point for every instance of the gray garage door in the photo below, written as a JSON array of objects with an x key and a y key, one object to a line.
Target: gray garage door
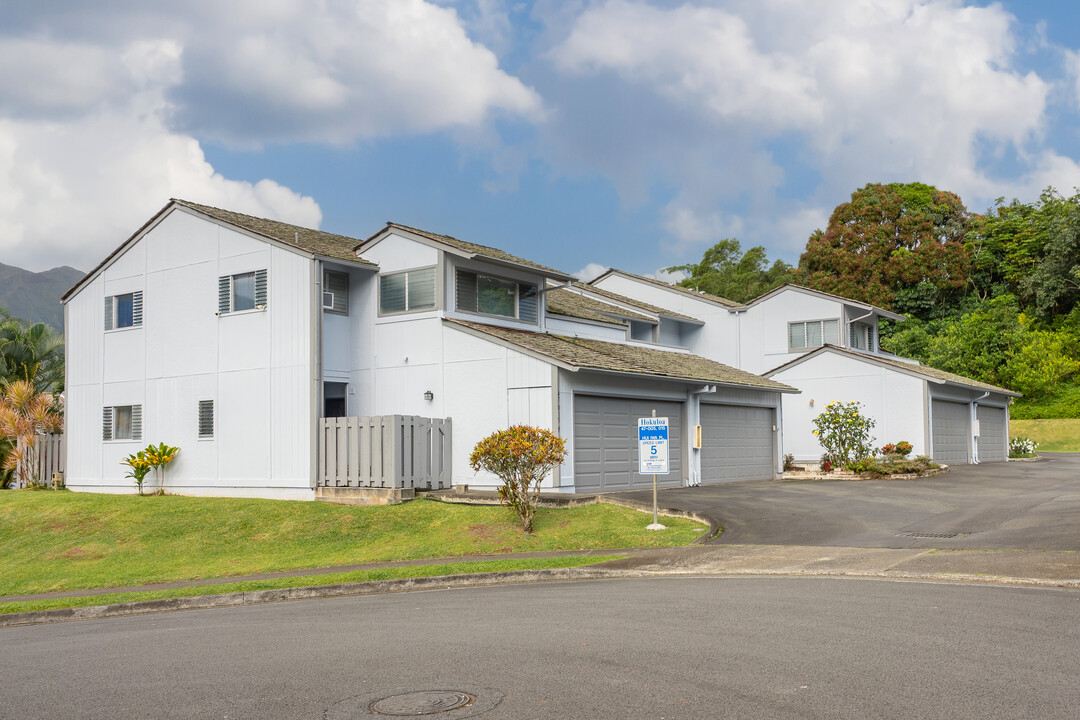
[
  {"x": 951, "y": 431},
  {"x": 991, "y": 433},
  {"x": 736, "y": 443},
  {"x": 605, "y": 443}
]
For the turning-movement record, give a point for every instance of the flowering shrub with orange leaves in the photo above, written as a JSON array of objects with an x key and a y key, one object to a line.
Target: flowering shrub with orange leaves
[
  {"x": 24, "y": 414},
  {"x": 520, "y": 456}
]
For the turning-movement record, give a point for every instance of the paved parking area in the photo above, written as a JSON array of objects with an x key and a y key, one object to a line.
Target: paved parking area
[{"x": 1028, "y": 506}]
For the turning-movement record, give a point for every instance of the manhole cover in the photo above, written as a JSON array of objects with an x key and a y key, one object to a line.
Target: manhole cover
[
  {"x": 944, "y": 535},
  {"x": 464, "y": 701},
  {"x": 427, "y": 702}
]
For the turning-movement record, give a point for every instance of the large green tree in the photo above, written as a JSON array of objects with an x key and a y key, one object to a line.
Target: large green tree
[
  {"x": 900, "y": 246},
  {"x": 727, "y": 271},
  {"x": 31, "y": 352}
]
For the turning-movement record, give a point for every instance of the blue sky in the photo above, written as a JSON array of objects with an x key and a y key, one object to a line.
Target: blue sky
[{"x": 581, "y": 134}]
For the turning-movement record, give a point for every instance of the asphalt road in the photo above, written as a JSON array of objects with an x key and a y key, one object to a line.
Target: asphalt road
[
  {"x": 638, "y": 648},
  {"x": 1028, "y": 506}
]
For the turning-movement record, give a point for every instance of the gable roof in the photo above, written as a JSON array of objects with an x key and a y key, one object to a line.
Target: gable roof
[
  {"x": 468, "y": 249},
  {"x": 924, "y": 371},
  {"x": 699, "y": 294},
  {"x": 316, "y": 242},
  {"x": 587, "y": 354},
  {"x": 633, "y": 302},
  {"x": 821, "y": 293}
]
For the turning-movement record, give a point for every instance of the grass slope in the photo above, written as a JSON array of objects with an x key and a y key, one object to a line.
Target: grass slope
[
  {"x": 412, "y": 571},
  {"x": 1061, "y": 435},
  {"x": 53, "y": 541}
]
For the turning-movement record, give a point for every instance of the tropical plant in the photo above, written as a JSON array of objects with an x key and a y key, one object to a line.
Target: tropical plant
[
  {"x": 726, "y": 271},
  {"x": 32, "y": 352},
  {"x": 159, "y": 456},
  {"x": 26, "y": 413},
  {"x": 520, "y": 456},
  {"x": 844, "y": 432},
  {"x": 139, "y": 467}
]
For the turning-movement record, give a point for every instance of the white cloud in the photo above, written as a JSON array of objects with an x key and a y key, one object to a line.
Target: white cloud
[
  {"x": 766, "y": 93},
  {"x": 590, "y": 272},
  {"x": 99, "y": 114}
]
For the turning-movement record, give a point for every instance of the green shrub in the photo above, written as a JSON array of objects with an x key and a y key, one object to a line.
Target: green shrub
[
  {"x": 1021, "y": 447},
  {"x": 844, "y": 432},
  {"x": 520, "y": 456},
  {"x": 893, "y": 465}
]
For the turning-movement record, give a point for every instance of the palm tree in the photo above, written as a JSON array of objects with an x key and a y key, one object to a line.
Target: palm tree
[
  {"x": 32, "y": 352},
  {"x": 25, "y": 413}
]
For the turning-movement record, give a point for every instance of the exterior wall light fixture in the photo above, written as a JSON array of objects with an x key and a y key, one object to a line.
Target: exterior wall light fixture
[{"x": 428, "y": 395}]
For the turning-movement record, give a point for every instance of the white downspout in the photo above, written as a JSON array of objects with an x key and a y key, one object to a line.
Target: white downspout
[
  {"x": 974, "y": 421},
  {"x": 693, "y": 477}
]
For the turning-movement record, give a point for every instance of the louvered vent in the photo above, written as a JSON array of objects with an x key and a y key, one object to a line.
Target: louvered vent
[
  {"x": 224, "y": 294},
  {"x": 260, "y": 289},
  {"x": 527, "y": 296},
  {"x": 136, "y": 422},
  {"x": 466, "y": 291},
  {"x": 106, "y": 423},
  {"x": 109, "y": 313},
  {"x": 206, "y": 419},
  {"x": 136, "y": 308}
]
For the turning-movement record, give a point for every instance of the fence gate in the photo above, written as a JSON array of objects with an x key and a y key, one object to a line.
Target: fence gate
[{"x": 385, "y": 451}]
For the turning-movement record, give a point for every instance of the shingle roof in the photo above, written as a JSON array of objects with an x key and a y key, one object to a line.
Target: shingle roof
[
  {"x": 614, "y": 357},
  {"x": 571, "y": 304},
  {"x": 653, "y": 309},
  {"x": 471, "y": 248},
  {"x": 699, "y": 294},
  {"x": 317, "y": 242},
  {"x": 924, "y": 370}
]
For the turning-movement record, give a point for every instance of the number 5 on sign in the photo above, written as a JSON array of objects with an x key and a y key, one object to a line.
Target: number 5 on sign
[{"x": 653, "y": 446}]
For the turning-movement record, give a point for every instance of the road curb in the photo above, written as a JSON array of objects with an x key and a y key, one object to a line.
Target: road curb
[{"x": 447, "y": 582}]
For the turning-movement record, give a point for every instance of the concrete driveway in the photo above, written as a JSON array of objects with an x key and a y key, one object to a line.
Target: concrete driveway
[{"x": 1017, "y": 505}]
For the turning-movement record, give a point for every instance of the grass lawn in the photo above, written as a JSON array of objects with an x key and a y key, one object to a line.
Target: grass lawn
[
  {"x": 52, "y": 541},
  {"x": 1062, "y": 435},
  {"x": 476, "y": 566}
]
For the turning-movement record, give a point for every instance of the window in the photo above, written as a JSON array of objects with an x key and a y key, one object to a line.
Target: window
[
  {"x": 121, "y": 422},
  {"x": 245, "y": 291},
  {"x": 206, "y": 419},
  {"x": 861, "y": 336},
  {"x": 336, "y": 292},
  {"x": 803, "y": 335},
  {"x": 123, "y": 311},
  {"x": 407, "y": 291},
  {"x": 496, "y": 296}
]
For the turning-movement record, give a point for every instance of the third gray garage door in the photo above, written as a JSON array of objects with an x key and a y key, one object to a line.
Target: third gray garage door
[
  {"x": 605, "y": 443},
  {"x": 951, "y": 431},
  {"x": 736, "y": 443}
]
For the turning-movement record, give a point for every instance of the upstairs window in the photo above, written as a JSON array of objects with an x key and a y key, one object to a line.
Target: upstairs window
[
  {"x": 861, "y": 336},
  {"x": 124, "y": 311},
  {"x": 336, "y": 292},
  {"x": 489, "y": 295},
  {"x": 121, "y": 422},
  {"x": 805, "y": 335},
  {"x": 409, "y": 291},
  {"x": 244, "y": 291}
]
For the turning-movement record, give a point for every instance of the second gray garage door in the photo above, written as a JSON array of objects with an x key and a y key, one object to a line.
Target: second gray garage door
[
  {"x": 605, "y": 443},
  {"x": 951, "y": 431},
  {"x": 736, "y": 443},
  {"x": 991, "y": 433}
]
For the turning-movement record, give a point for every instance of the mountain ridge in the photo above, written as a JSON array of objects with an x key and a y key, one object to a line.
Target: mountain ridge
[{"x": 35, "y": 296}]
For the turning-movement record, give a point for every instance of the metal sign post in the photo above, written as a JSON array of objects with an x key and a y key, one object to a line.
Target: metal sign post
[{"x": 653, "y": 456}]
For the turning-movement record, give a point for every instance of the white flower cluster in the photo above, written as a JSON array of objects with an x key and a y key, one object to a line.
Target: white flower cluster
[{"x": 1019, "y": 447}]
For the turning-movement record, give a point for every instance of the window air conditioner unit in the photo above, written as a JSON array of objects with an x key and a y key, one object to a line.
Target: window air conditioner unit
[{"x": 328, "y": 301}]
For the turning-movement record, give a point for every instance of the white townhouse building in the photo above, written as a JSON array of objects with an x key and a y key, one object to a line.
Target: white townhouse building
[
  {"x": 233, "y": 337},
  {"x": 826, "y": 346}
]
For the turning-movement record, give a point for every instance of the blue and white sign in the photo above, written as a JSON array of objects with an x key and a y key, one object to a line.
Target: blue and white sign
[{"x": 653, "y": 446}]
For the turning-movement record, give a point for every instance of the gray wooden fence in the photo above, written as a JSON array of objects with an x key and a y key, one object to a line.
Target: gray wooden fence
[
  {"x": 386, "y": 451},
  {"x": 48, "y": 459}
]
